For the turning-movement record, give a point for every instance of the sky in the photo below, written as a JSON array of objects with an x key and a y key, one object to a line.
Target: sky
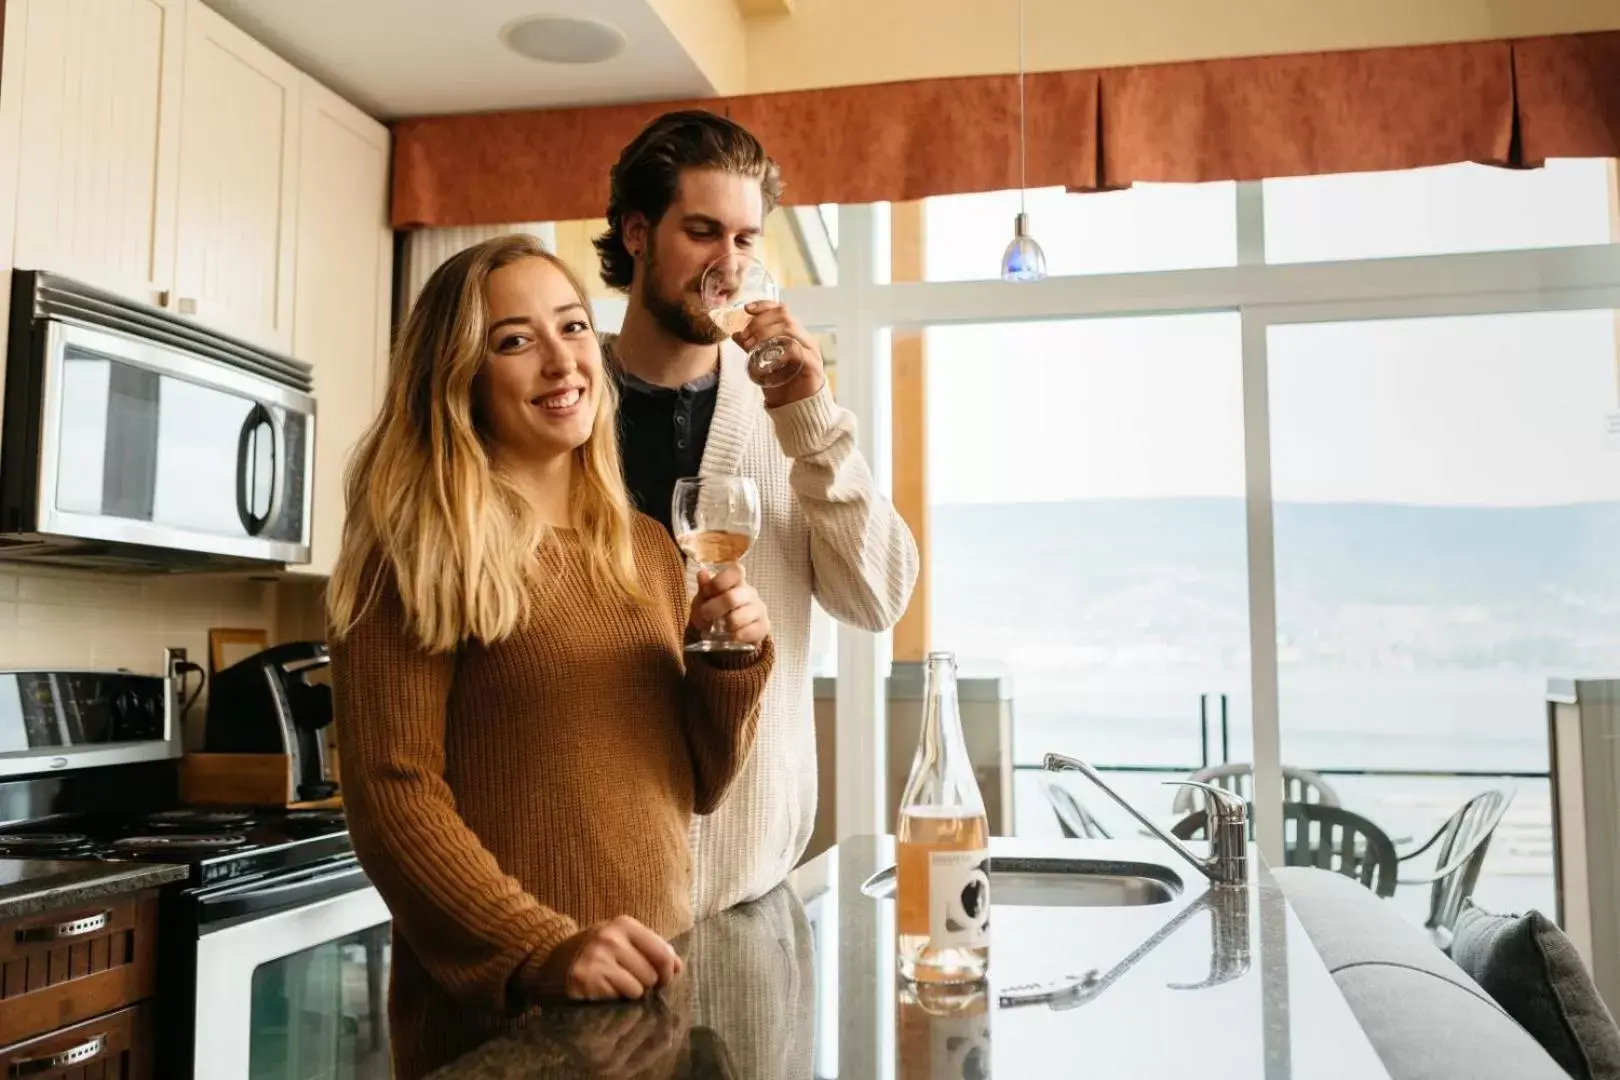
[{"x": 1502, "y": 410}]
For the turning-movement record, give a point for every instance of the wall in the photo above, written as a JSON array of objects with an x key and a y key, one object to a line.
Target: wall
[
  {"x": 711, "y": 32},
  {"x": 849, "y": 42},
  {"x": 52, "y": 618}
]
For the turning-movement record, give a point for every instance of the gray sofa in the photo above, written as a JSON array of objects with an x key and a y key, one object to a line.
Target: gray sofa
[{"x": 1425, "y": 1017}]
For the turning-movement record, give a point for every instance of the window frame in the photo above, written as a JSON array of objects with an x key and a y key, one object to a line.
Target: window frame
[{"x": 864, "y": 308}]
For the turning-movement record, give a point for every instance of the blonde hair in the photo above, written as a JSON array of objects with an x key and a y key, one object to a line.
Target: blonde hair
[{"x": 426, "y": 504}]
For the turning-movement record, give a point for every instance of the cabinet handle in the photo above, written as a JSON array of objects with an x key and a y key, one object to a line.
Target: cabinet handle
[
  {"x": 88, "y": 1050},
  {"x": 70, "y": 929},
  {"x": 163, "y": 298},
  {"x": 188, "y": 306}
]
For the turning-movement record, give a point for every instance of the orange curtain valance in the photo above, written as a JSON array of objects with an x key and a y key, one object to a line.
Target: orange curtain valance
[{"x": 1512, "y": 103}]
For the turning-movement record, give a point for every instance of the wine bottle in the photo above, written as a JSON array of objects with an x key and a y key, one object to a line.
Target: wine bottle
[{"x": 942, "y": 842}]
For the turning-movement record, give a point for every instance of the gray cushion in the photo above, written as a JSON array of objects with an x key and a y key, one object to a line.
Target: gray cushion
[
  {"x": 1425, "y": 1017},
  {"x": 1426, "y": 1028},
  {"x": 1532, "y": 969},
  {"x": 1349, "y": 924}
]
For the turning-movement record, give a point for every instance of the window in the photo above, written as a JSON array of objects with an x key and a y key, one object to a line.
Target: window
[
  {"x": 1087, "y": 526},
  {"x": 1447, "y": 506},
  {"x": 1148, "y": 227},
  {"x": 1455, "y": 208}
]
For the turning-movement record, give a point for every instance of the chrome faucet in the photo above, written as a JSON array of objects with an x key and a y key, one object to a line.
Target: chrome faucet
[{"x": 1228, "y": 862}]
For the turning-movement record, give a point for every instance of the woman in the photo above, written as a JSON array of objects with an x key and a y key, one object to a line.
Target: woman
[{"x": 523, "y": 742}]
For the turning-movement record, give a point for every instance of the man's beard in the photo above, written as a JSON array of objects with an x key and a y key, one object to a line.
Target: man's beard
[{"x": 674, "y": 313}]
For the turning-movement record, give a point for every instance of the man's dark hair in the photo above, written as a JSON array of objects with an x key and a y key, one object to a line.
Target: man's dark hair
[{"x": 649, "y": 170}]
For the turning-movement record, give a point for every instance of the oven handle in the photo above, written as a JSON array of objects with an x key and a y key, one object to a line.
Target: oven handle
[{"x": 271, "y": 898}]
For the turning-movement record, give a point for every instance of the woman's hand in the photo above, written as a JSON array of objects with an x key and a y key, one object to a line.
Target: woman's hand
[
  {"x": 728, "y": 600},
  {"x": 618, "y": 959}
]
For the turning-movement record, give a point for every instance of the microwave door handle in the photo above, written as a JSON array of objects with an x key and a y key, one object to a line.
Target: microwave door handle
[
  {"x": 272, "y": 502},
  {"x": 246, "y": 460}
]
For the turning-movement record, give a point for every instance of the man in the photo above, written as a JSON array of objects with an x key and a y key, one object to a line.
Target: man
[{"x": 690, "y": 188}]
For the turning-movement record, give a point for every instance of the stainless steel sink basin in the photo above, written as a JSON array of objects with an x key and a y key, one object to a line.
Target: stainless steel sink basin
[{"x": 1021, "y": 882}]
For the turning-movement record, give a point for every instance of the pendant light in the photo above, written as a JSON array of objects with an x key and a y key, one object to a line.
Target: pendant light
[{"x": 1023, "y": 260}]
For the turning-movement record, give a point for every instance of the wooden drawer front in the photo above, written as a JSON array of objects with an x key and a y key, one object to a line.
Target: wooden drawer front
[
  {"x": 66, "y": 966},
  {"x": 113, "y": 1047}
]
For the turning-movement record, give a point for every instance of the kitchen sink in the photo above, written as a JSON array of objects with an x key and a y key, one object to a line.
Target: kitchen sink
[{"x": 1028, "y": 882}]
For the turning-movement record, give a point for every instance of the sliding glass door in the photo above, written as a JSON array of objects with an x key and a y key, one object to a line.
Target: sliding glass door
[
  {"x": 1446, "y": 512},
  {"x": 1086, "y": 536}
]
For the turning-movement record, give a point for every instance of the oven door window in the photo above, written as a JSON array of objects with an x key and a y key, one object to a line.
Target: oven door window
[
  {"x": 147, "y": 446},
  {"x": 322, "y": 1014}
]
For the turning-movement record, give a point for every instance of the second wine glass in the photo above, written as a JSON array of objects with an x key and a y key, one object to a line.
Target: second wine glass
[
  {"x": 716, "y": 520},
  {"x": 729, "y": 285}
]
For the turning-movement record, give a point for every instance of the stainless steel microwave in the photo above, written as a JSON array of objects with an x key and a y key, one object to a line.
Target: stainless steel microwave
[{"x": 136, "y": 440}]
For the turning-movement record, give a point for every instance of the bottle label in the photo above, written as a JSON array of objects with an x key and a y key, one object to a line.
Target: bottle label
[{"x": 959, "y": 899}]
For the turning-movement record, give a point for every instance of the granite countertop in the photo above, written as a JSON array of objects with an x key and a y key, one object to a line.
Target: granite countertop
[
  {"x": 1222, "y": 985},
  {"x": 32, "y": 886}
]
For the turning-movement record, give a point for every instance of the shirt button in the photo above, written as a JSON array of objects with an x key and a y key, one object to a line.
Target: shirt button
[
  {"x": 680, "y": 444},
  {"x": 680, "y": 421}
]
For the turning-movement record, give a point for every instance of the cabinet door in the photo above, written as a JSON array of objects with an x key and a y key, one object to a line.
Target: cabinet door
[
  {"x": 345, "y": 270},
  {"x": 238, "y": 184},
  {"x": 118, "y": 1046},
  {"x": 65, "y": 966},
  {"x": 97, "y": 139}
]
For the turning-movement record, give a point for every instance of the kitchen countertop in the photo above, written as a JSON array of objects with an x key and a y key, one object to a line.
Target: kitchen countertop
[
  {"x": 1215, "y": 984},
  {"x": 32, "y": 886}
]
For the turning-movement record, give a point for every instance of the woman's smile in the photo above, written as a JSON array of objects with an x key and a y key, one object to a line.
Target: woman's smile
[{"x": 563, "y": 402}]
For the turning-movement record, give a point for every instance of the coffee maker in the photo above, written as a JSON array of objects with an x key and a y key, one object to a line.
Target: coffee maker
[{"x": 277, "y": 701}]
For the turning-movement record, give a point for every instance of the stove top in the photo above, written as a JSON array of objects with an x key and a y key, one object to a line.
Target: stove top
[
  {"x": 199, "y": 819},
  {"x": 218, "y": 843}
]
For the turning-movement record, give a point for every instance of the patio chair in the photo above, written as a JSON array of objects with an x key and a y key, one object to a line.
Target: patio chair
[
  {"x": 1326, "y": 837},
  {"x": 1299, "y": 785},
  {"x": 1074, "y": 819},
  {"x": 1461, "y": 846}
]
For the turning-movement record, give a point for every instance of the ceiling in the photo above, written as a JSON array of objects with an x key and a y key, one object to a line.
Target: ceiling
[{"x": 397, "y": 58}]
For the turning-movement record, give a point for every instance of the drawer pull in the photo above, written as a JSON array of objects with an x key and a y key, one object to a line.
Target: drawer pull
[
  {"x": 73, "y": 928},
  {"x": 88, "y": 1050}
]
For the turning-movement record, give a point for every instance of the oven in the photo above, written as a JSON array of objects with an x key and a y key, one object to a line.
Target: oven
[{"x": 291, "y": 977}]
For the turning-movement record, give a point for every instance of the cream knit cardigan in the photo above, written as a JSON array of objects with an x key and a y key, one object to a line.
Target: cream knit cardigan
[{"x": 827, "y": 533}]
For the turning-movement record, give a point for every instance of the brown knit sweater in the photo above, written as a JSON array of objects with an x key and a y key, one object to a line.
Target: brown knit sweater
[{"x": 501, "y": 798}]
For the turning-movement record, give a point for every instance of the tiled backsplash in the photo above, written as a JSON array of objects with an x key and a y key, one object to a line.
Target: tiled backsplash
[{"x": 53, "y": 618}]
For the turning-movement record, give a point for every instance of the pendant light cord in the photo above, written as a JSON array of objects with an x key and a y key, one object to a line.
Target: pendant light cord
[{"x": 1023, "y": 181}]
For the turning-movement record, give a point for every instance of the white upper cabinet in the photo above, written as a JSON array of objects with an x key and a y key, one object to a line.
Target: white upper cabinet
[
  {"x": 238, "y": 195},
  {"x": 91, "y": 127},
  {"x": 151, "y": 148},
  {"x": 341, "y": 309}
]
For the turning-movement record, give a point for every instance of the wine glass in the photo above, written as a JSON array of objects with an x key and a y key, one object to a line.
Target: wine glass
[
  {"x": 729, "y": 284},
  {"x": 716, "y": 519}
]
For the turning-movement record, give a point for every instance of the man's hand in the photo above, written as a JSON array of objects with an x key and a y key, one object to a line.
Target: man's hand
[{"x": 774, "y": 320}]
